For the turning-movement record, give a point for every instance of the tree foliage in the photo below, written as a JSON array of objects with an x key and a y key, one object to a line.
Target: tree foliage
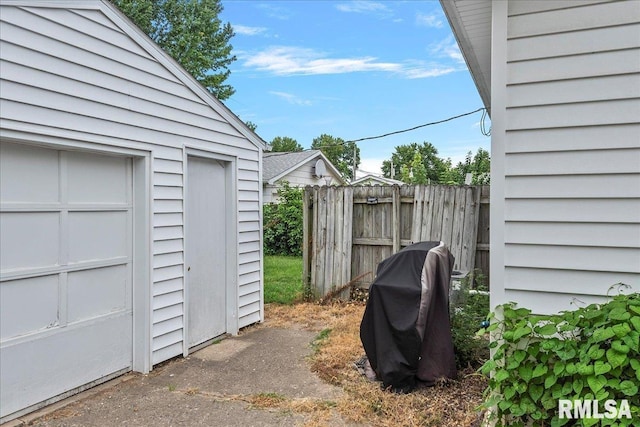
[
  {"x": 423, "y": 157},
  {"x": 251, "y": 125},
  {"x": 419, "y": 164},
  {"x": 340, "y": 153},
  {"x": 479, "y": 166},
  {"x": 192, "y": 33},
  {"x": 284, "y": 144}
]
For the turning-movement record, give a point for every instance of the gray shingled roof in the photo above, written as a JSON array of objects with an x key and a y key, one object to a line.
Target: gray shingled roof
[{"x": 274, "y": 164}]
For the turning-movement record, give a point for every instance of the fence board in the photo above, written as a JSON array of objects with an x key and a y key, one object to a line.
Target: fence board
[
  {"x": 352, "y": 229},
  {"x": 470, "y": 231},
  {"x": 307, "y": 233},
  {"x": 396, "y": 226},
  {"x": 321, "y": 236},
  {"x": 482, "y": 245},
  {"x": 347, "y": 233},
  {"x": 418, "y": 215},
  {"x": 338, "y": 257},
  {"x": 330, "y": 237},
  {"x": 435, "y": 231},
  {"x": 429, "y": 212}
]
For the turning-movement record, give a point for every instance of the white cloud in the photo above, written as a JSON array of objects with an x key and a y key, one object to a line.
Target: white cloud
[
  {"x": 429, "y": 20},
  {"x": 425, "y": 71},
  {"x": 447, "y": 48},
  {"x": 283, "y": 60},
  {"x": 288, "y": 60},
  {"x": 290, "y": 98},
  {"x": 248, "y": 31},
  {"x": 362, "y": 6}
]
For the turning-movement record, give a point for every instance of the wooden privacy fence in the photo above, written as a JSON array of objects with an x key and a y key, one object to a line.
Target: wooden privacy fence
[{"x": 349, "y": 230}]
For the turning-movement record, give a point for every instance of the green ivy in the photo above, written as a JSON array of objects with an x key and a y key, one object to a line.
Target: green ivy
[
  {"x": 592, "y": 353},
  {"x": 283, "y": 223}
]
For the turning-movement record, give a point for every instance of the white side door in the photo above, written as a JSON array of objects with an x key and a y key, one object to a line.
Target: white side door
[{"x": 206, "y": 249}]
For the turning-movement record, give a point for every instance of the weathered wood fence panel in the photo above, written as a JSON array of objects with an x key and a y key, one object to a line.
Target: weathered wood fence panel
[
  {"x": 349, "y": 230},
  {"x": 482, "y": 246}
]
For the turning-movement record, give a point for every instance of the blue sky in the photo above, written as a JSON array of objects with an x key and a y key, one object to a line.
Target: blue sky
[{"x": 352, "y": 69}]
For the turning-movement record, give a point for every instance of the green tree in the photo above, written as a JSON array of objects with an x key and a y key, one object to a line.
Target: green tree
[
  {"x": 284, "y": 144},
  {"x": 418, "y": 170},
  {"x": 192, "y": 33},
  {"x": 405, "y": 174},
  {"x": 450, "y": 175},
  {"x": 478, "y": 165},
  {"x": 404, "y": 155},
  {"x": 251, "y": 125},
  {"x": 340, "y": 153}
]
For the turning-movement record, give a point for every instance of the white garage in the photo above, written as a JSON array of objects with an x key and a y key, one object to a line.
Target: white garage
[{"x": 130, "y": 228}]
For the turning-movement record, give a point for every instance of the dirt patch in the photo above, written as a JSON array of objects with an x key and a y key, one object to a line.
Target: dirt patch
[{"x": 448, "y": 404}]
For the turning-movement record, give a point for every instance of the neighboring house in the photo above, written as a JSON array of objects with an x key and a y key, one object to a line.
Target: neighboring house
[
  {"x": 299, "y": 169},
  {"x": 372, "y": 179},
  {"x": 562, "y": 82},
  {"x": 130, "y": 224}
]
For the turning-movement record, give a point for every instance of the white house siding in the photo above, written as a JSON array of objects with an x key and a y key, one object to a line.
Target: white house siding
[
  {"x": 80, "y": 76},
  {"x": 300, "y": 177},
  {"x": 571, "y": 141}
]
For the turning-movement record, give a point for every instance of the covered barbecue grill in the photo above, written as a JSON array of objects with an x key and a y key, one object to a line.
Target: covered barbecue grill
[{"x": 405, "y": 330}]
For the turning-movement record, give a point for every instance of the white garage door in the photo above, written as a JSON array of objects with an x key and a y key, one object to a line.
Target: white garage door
[{"x": 66, "y": 271}]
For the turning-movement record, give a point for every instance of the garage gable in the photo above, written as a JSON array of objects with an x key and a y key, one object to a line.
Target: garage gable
[{"x": 99, "y": 47}]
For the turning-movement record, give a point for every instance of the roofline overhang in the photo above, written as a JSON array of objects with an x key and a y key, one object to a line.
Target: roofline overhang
[
  {"x": 468, "y": 52},
  {"x": 330, "y": 165}
]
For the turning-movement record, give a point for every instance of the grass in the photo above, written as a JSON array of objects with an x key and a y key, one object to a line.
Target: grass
[{"x": 282, "y": 279}]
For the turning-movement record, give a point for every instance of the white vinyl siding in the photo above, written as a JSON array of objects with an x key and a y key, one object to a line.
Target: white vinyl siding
[
  {"x": 74, "y": 74},
  {"x": 571, "y": 151},
  {"x": 301, "y": 176},
  {"x": 304, "y": 175}
]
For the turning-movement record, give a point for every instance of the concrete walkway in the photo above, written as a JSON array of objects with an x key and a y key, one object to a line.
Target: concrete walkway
[{"x": 211, "y": 387}]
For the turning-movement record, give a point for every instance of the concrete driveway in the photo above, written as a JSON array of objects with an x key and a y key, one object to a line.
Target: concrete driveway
[{"x": 212, "y": 387}]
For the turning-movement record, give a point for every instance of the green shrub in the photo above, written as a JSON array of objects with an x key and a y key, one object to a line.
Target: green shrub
[
  {"x": 283, "y": 223},
  {"x": 592, "y": 353},
  {"x": 467, "y": 313}
]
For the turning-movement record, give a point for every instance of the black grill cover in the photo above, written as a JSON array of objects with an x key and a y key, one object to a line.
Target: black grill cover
[{"x": 405, "y": 330}]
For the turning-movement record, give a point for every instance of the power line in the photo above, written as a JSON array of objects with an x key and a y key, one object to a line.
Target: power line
[
  {"x": 482, "y": 126},
  {"x": 420, "y": 126}
]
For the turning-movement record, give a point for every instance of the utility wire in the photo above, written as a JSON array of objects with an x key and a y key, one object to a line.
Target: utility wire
[
  {"x": 482, "y": 126},
  {"x": 419, "y": 126}
]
